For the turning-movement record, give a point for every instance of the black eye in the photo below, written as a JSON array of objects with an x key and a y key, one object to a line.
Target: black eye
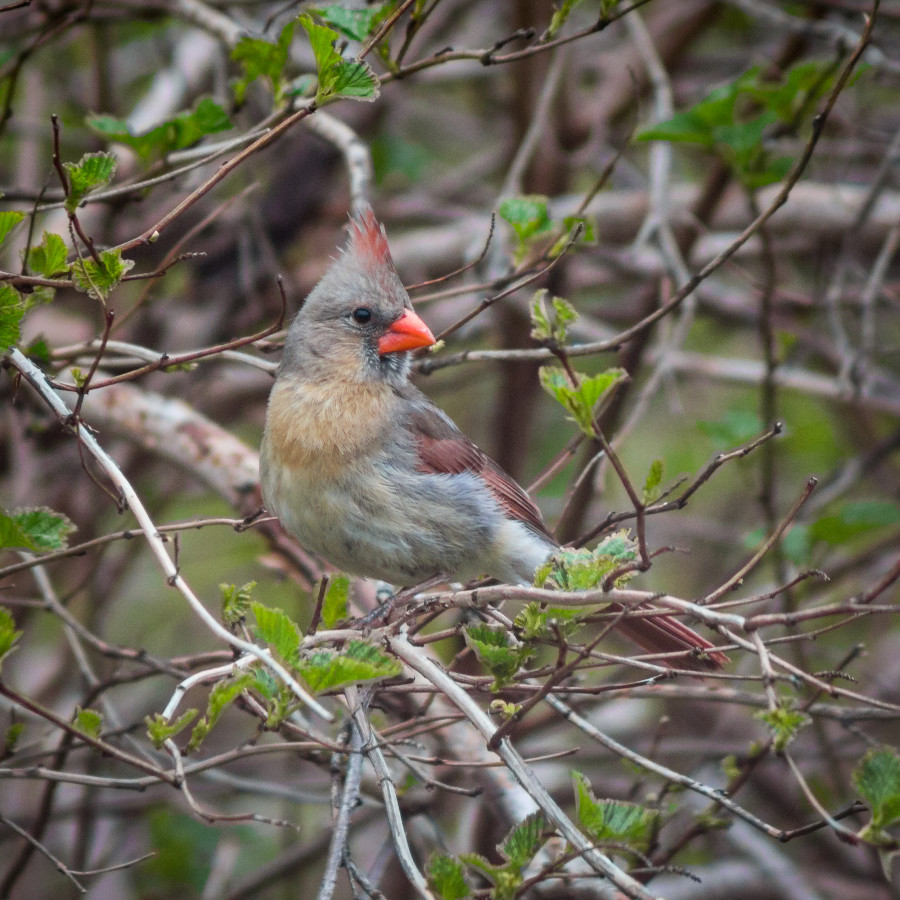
[{"x": 362, "y": 314}]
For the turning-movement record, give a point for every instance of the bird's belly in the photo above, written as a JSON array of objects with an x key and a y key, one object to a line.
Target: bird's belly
[{"x": 398, "y": 528}]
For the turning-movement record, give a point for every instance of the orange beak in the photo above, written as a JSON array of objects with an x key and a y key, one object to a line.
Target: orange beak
[{"x": 406, "y": 333}]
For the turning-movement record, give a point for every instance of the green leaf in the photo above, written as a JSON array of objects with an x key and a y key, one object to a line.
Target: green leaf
[
  {"x": 97, "y": 279},
  {"x": 350, "y": 78},
  {"x": 263, "y": 59},
  {"x": 588, "y": 228},
  {"x": 358, "y": 661},
  {"x": 612, "y": 820},
  {"x": 396, "y": 159},
  {"x": 9, "y": 218},
  {"x": 497, "y": 651},
  {"x": 654, "y": 480},
  {"x": 854, "y": 519},
  {"x": 737, "y": 426},
  {"x": 38, "y": 530},
  {"x": 580, "y": 569},
  {"x": 278, "y": 629},
  {"x": 159, "y": 729},
  {"x": 266, "y": 683},
  {"x": 236, "y": 601},
  {"x": 334, "y": 607},
  {"x": 536, "y": 620},
  {"x": 784, "y": 724},
  {"x": 445, "y": 877},
  {"x": 49, "y": 257},
  {"x": 12, "y": 737},
  {"x": 221, "y": 697},
  {"x": 89, "y": 173},
  {"x": 733, "y": 119},
  {"x": 697, "y": 124},
  {"x": 560, "y": 15},
  {"x": 8, "y": 633},
  {"x": 12, "y": 308},
  {"x": 525, "y": 839},
  {"x": 550, "y": 318},
  {"x": 88, "y": 721},
  {"x": 338, "y": 77},
  {"x": 527, "y": 214},
  {"x": 877, "y": 778},
  {"x": 503, "y": 710},
  {"x": 796, "y": 544},
  {"x": 802, "y": 86},
  {"x": 356, "y": 24},
  {"x": 184, "y": 129},
  {"x": 581, "y": 399}
]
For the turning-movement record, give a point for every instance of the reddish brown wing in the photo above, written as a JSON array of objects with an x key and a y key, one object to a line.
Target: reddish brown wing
[{"x": 444, "y": 449}]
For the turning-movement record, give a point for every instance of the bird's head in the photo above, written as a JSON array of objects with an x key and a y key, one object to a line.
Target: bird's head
[{"x": 357, "y": 324}]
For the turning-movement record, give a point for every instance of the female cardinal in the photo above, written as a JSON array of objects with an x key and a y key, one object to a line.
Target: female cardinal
[{"x": 364, "y": 470}]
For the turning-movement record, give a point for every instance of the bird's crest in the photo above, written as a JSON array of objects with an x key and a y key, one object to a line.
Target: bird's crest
[{"x": 368, "y": 240}]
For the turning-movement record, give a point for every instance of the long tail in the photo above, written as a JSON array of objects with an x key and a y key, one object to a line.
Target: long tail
[{"x": 663, "y": 634}]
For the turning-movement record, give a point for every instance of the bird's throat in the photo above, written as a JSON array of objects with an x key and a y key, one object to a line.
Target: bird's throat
[{"x": 320, "y": 426}]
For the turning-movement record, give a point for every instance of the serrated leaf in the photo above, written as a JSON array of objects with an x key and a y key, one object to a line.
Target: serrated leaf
[
  {"x": 527, "y": 214},
  {"x": 159, "y": 729},
  {"x": 338, "y": 77},
  {"x": 322, "y": 40},
  {"x": 224, "y": 693},
  {"x": 183, "y": 130},
  {"x": 278, "y": 629},
  {"x": 263, "y": 59},
  {"x": 877, "y": 778},
  {"x": 581, "y": 569},
  {"x": 551, "y": 317},
  {"x": 236, "y": 601},
  {"x": 653, "y": 481},
  {"x": 349, "y": 78},
  {"x": 8, "y": 633},
  {"x": 853, "y": 519},
  {"x": 9, "y": 218},
  {"x": 12, "y": 536},
  {"x": 221, "y": 697},
  {"x": 49, "y": 257},
  {"x": 334, "y": 606},
  {"x": 784, "y": 724},
  {"x": 496, "y": 651},
  {"x": 88, "y": 722},
  {"x": 445, "y": 877},
  {"x": 579, "y": 400},
  {"x": 536, "y": 620},
  {"x": 43, "y": 529},
  {"x": 524, "y": 840},
  {"x": 612, "y": 820},
  {"x": 358, "y": 661},
  {"x": 356, "y": 24},
  {"x": 98, "y": 279},
  {"x": 12, "y": 308},
  {"x": 89, "y": 173},
  {"x": 265, "y": 682}
]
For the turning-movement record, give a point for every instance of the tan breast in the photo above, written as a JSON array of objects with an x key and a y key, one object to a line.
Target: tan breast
[{"x": 320, "y": 427}]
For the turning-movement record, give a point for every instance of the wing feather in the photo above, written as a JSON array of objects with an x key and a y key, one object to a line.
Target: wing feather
[{"x": 443, "y": 449}]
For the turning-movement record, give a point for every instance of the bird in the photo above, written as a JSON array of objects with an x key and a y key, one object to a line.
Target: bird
[{"x": 364, "y": 470}]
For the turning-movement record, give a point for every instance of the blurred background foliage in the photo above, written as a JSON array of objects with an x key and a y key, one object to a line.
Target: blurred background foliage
[{"x": 676, "y": 123}]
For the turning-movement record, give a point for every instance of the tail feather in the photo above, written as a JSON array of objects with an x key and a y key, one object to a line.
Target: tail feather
[{"x": 664, "y": 634}]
